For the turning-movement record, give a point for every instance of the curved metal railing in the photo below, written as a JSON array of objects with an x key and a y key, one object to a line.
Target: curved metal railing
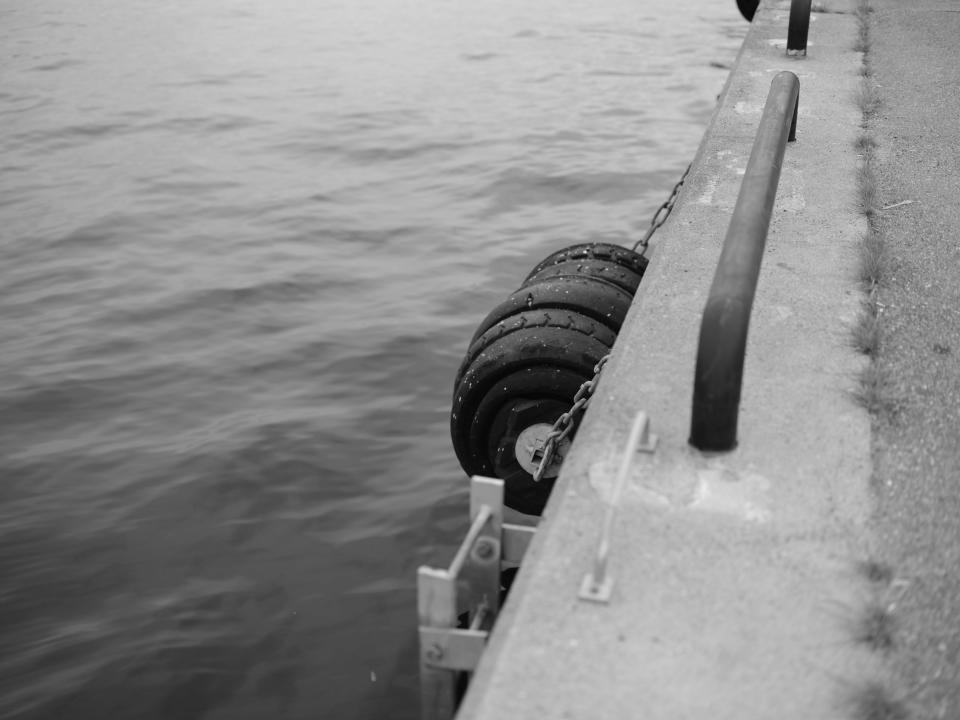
[{"x": 726, "y": 317}]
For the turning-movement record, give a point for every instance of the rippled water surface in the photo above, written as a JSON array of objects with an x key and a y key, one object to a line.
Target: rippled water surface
[{"x": 243, "y": 246}]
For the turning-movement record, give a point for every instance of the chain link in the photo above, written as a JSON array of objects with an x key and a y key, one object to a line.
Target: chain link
[
  {"x": 661, "y": 215},
  {"x": 563, "y": 425}
]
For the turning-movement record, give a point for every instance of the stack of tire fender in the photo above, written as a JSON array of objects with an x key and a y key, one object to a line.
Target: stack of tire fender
[{"x": 529, "y": 357}]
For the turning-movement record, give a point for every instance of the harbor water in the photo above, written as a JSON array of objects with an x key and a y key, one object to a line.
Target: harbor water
[{"x": 242, "y": 248}]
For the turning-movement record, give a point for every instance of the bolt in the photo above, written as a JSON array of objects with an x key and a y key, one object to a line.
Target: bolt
[
  {"x": 434, "y": 653},
  {"x": 485, "y": 550}
]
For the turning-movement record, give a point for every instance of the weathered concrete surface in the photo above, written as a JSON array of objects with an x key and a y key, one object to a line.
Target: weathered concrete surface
[
  {"x": 916, "y": 63},
  {"x": 737, "y": 587}
]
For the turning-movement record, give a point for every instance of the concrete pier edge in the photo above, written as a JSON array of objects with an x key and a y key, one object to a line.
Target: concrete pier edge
[{"x": 738, "y": 577}]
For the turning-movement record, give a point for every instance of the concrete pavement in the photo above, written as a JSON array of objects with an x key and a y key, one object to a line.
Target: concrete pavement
[{"x": 739, "y": 588}]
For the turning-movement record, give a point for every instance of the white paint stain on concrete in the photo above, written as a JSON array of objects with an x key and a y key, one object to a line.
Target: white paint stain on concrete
[
  {"x": 800, "y": 73},
  {"x": 688, "y": 482},
  {"x": 793, "y": 202},
  {"x": 781, "y": 313},
  {"x": 792, "y": 198},
  {"x": 706, "y": 197},
  {"x": 723, "y": 491}
]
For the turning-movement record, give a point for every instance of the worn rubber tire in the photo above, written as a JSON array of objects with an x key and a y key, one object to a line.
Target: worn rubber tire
[
  {"x": 617, "y": 254},
  {"x": 595, "y": 299},
  {"x": 524, "y": 398},
  {"x": 528, "y": 365},
  {"x": 542, "y": 318},
  {"x": 520, "y": 492},
  {"x": 603, "y": 270}
]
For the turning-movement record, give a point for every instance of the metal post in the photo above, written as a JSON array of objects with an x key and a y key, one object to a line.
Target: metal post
[
  {"x": 437, "y": 608},
  {"x": 798, "y": 28},
  {"x": 726, "y": 317}
]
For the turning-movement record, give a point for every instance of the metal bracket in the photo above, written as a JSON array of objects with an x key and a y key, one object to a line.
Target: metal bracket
[
  {"x": 597, "y": 585},
  {"x": 452, "y": 649},
  {"x": 471, "y": 583},
  {"x": 598, "y": 592},
  {"x": 516, "y": 540}
]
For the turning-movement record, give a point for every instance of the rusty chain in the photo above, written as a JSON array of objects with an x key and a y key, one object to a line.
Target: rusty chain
[
  {"x": 563, "y": 425},
  {"x": 661, "y": 215}
]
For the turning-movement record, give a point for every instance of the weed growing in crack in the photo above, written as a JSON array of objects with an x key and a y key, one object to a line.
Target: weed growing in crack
[
  {"x": 876, "y": 391},
  {"x": 877, "y": 572},
  {"x": 874, "y": 262},
  {"x": 866, "y": 331},
  {"x": 876, "y": 702},
  {"x": 876, "y": 628}
]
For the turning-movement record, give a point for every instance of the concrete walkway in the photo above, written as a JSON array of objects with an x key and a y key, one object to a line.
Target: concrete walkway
[
  {"x": 916, "y": 64},
  {"x": 739, "y": 589}
]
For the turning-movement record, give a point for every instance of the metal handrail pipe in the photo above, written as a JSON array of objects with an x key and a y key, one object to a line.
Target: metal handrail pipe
[
  {"x": 726, "y": 316},
  {"x": 798, "y": 27}
]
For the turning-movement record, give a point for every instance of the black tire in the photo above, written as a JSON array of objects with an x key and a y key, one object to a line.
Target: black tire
[
  {"x": 537, "y": 371},
  {"x": 597, "y": 300},
  {"x": 748, "y": 8},
  {"x": 544, "y": 318},
  {"x": 520, "y": 492},
  {"x": 603, "y": 270},
  {"x": 616, "y": 254},
  {"x": 524, "y": 398}
]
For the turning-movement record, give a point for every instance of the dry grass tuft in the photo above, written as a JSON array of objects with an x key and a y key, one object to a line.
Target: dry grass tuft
[
  {"x": 862, "y": 43},
  {"x": 875, "y": 702},
  {"x": 866, "y": 331},
  {"x": 867, "y": 184},
  {"x": 874, "y": 263},
  {"x": 866, "y": 146},
  {"x": 876, "y": 392},
  {"x": 877, "y": 572},
  {"x": 876, "y": 628},
  {"x": 868, "y": 98}
]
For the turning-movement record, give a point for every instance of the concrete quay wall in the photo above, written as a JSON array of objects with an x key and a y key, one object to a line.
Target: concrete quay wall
[{"x": 738, "y": 582}]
